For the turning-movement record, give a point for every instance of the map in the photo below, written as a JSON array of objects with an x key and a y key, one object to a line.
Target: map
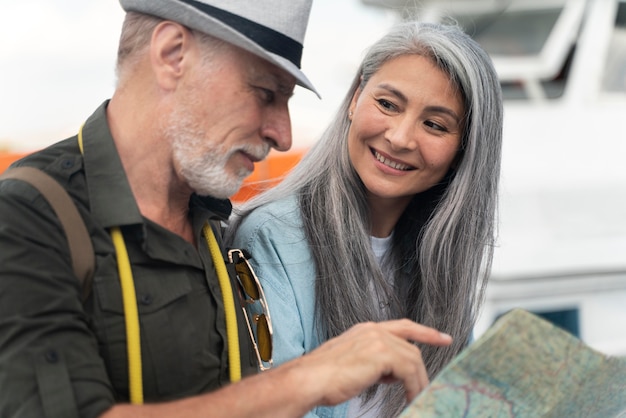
[{"x": 525, "y": 367}]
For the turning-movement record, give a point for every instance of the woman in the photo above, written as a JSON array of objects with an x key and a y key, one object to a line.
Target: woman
[{"x": 392, "y": 212}]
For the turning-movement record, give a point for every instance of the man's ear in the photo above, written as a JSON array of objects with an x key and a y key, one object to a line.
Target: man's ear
[{"x": 169, "y": 44}]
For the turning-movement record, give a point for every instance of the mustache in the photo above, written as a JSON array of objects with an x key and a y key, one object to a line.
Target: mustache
[{"x": 256, "y": 152}]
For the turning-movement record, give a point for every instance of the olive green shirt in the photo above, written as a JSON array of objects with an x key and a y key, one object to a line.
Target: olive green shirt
[{"x": 60, "y": 357}]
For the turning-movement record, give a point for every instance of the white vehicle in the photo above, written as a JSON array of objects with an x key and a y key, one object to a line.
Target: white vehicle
[{"x": 562, "y": 231}]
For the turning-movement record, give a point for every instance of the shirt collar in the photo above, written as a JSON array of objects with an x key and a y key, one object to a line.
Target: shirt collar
[{"x": 110, "y": 197}]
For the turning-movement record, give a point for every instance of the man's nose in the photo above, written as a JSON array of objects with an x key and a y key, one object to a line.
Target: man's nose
[{"x": 277, "y": 129}]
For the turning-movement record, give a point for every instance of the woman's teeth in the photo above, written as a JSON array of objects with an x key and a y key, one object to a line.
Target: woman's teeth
[{"x": 392, "y": 164}]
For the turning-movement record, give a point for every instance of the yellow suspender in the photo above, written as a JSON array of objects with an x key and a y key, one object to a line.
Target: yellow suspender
[
  {"x": 131, "y": 316},
  {"x": 232, "y": 333}
]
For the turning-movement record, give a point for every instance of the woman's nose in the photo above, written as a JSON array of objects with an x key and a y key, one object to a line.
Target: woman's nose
[{"x": 402, "y": 134}]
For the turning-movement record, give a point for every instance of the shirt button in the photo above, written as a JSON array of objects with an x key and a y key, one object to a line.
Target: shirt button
[
  {"x": 145, "y": 299},
  {"x": 67, "y": 164},
  {"x": 52, "y": 356}
]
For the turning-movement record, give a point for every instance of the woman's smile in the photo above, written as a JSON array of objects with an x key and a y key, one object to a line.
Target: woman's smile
[{"x": 387, "y": 161}]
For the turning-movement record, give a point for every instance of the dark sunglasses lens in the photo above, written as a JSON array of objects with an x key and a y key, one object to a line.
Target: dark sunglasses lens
[
  {"x": 250, "y": 286},
  {"x": 247, "y": 281},
  {"x": 264, "y": 338}
]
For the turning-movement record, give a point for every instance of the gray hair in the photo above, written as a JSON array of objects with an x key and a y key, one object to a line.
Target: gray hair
[
  {"x": 443, "y": 243},
  {"x": 136, "y": 35}
]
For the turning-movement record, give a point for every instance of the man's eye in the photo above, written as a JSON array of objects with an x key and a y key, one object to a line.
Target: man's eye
[{"x": 267, "y": 95}]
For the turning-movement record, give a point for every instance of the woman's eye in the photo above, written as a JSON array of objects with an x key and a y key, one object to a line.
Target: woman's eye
[
  {"x": 386, "y": 104},
  {"x": 435, "y": 126}
]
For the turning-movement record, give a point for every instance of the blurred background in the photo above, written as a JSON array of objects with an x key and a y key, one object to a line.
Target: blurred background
[
  {"x": 57, "y": 62},
  {"x": 562, "y": 63}
]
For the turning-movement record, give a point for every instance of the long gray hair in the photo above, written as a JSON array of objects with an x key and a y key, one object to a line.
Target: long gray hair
[{"x": 442, "y": 244}]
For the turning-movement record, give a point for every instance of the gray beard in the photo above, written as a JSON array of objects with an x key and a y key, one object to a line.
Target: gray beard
[
  {"x": 206, "y": 172},
  {"x": 204, "y": 167}
]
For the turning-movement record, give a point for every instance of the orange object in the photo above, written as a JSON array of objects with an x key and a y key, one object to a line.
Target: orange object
[
  {"x": 267, "y": 173},
  {"x": 7, "y": 158}
]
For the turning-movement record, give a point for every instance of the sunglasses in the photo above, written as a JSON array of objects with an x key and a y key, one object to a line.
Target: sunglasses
[{"x": 251, "y": 293}]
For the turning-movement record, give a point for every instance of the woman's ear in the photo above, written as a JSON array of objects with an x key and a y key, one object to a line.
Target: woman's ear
[
  {"x": 168, "y": 46},
  {"x": 355, "y": 98}
]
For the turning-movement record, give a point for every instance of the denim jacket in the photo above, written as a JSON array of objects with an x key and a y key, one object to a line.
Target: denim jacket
[{"x": 281, "y": 258}]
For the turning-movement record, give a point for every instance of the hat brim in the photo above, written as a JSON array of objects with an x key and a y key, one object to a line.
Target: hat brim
[{"x": 196, "y": 19}]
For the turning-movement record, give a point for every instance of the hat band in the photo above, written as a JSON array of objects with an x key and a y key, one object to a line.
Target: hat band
[{"x": 267, "y": 38}]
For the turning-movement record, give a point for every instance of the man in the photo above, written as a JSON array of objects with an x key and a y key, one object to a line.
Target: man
[{"x": 202, "y": 94}]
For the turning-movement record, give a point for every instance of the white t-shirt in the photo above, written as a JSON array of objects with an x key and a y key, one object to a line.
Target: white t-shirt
[
  {"x": 380, "y": 246},
  {"x": 372, "y": 409}
]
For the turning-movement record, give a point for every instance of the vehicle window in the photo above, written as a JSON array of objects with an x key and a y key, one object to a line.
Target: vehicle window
[
  {"x": 552, "y": 88},
  {"x": 520, "y": 35},
  {"x": 511, "y": 33},
  {"x": 614, "y": 80}
]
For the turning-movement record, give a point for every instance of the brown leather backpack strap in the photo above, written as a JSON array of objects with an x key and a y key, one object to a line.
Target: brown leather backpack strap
[{"x": 79, "y": 242}]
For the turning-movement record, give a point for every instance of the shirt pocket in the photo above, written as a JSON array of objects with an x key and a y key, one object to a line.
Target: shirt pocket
[{"x": 167, "y": 345}]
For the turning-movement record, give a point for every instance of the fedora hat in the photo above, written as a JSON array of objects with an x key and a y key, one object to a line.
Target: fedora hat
[{"x": 271, "y": 29}]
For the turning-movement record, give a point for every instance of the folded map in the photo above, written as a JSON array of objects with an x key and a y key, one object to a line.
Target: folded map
[{"x": 526, "y": 367}]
